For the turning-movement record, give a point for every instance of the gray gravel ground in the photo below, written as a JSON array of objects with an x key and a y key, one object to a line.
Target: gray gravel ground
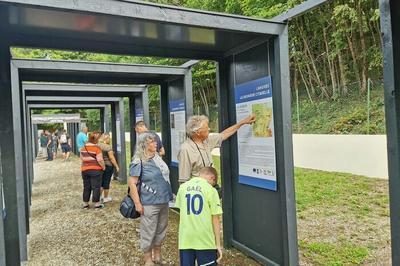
[{"x": 62, "y": 233}]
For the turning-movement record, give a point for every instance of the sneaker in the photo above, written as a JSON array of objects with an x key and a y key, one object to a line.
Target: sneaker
[
  {"x": 100, "y": 206},
  {"x": 108, "y": 199}
]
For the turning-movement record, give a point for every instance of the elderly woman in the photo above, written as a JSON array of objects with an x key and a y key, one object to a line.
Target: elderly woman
[
  {"x": 92, "y": 170},
  {"x": 151, "y": 174},
  {"x": 195, "y": 152},
  {"x": 111, "y": 166}
]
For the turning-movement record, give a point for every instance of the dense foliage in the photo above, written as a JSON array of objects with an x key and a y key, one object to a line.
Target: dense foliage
[{"x": 334, "y": 50}]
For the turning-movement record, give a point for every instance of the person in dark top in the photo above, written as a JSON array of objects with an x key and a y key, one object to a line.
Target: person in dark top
[
  {"x": 111, "y": 166},
  {"x": 50, "y": 144},
  {"x": 43, "y": 143},
  {"x": 140, "y": 127}
]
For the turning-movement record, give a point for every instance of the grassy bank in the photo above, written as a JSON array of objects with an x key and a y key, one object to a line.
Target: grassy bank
[
  {"x": 348, "y": 115},
  {"x": 342, "y": 219}
]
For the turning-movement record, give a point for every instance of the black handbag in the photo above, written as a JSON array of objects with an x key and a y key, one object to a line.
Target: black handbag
[{"x": 127, "y": 206}]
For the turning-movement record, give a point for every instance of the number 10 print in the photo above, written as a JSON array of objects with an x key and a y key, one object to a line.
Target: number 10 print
[{"x": 191, "y": 204}]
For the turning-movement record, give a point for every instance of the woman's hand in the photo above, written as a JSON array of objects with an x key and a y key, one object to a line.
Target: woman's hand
[
  {"x": 248, "y": 120},
  {"x": 139, "y": 208},
  {"x": 117, "y": 169}
]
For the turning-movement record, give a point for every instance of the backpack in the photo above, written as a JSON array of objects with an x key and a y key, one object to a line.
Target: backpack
[{"x": 63, "y": 138}]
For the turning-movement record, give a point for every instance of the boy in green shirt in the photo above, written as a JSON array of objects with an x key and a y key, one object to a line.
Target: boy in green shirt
[{"x": 199, "y": 225}]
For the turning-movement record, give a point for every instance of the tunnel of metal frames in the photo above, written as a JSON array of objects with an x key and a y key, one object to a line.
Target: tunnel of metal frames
[{"x": 244, "y": 49}]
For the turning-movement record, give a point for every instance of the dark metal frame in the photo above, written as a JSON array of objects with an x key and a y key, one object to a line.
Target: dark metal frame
[
  {"x": 44, "y": 70},
  {"x": 233, "y": 35},
  {"x": 101, "y": 107}
]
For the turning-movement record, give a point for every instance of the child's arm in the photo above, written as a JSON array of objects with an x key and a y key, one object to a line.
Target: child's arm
[{"x": 217, "y": 234}]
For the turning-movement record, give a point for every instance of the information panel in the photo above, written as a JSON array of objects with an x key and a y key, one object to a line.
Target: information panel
[
  {"x": 118, "y": 130},
  {"x": 139, "y": 114},
  {"x": 256, "y": 143},
  {"x": 177, "y": 123}
]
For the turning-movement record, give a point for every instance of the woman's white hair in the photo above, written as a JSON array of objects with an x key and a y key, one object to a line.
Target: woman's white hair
[
  {"x": 141, "y": 145},
  {"x": 195, "y": 123},
  {"x": 104, "y": 136}
]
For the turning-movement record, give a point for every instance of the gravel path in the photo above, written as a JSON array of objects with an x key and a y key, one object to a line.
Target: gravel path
[{"x": 61, "y": 233}]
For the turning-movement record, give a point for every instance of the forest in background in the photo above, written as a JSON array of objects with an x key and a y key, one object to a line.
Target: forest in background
[{"x": 335, "y": 54}]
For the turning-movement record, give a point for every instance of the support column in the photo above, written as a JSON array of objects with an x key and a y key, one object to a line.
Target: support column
[
  {"x": 10, "y": 181},
  {"x": 2, "y": 213},
  {"x": 76, "y": 128},
  {"x": 165, "y": 122},
  {"x": 120, "y": 138},
  {"x": 138, "y": 111},
  {"x": 22, "y": 187},
  {"x": 132, "y": 122},
  {"x": 35, "y": 141},
  {"x": 390, "y": 26},
  {"x": 145, "y": 106},
  {"x": 114, "y": 130},
  {"x": 106, "y": 119},
  {"x": 102, "y": 120}
]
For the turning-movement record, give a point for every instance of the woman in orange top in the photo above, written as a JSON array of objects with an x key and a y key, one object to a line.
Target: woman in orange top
[{"x": 92, "y": 170}]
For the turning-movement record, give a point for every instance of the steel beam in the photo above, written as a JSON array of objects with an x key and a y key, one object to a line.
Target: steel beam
[
  {"x": 390, "y": 27},
  {"x": 298, "y": 10},
  {"x": 9, "y": 158},
  {"x": 56, "y": 87},
  {"x": 66, "y": 106},
  {"x": 159, "y": 13},
  {"x": 75, "y": 99},
  {"x": 124, "y": 71}
]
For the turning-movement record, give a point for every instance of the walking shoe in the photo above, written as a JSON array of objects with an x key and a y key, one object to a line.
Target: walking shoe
[{"x": 101, "y": 206}]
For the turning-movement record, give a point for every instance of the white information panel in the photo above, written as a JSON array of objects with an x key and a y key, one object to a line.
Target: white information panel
[
  {"x": 177, "y": 123},
  {"x": 118, "y": 129},
  {"x": 256, "y": 143}
]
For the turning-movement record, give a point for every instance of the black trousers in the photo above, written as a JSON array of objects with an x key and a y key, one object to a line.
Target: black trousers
[{"x": 91, "y": 182}]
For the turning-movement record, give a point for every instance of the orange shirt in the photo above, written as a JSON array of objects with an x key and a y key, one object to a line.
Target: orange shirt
[{"x": 91, "y": 155}]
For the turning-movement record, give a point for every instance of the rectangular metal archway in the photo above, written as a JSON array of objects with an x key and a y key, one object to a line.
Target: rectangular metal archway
[
  {"x": 238, "y": 44},
  {"x": 170, "y": 78}
]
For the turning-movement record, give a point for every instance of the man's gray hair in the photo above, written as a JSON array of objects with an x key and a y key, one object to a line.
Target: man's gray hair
[
  {"x": 195, "y": 123},
  {"x": 141, "y": 145}
]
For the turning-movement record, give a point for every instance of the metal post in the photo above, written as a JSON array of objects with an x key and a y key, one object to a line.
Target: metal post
[
  {"x": 121, "y": 149},
  {"x": 165, "y": 122},
  {"x": 132, "y": 121},
  {"x": 298, "y": 111},
  {"x": 226, "y": 166},
  {"x": 102, "y": 127},
  {"x": 2, "y": 235},
  {"x": 106, "y": 119},
  {"x": 11, "y": 203},
  {"x": 390, "y": 27},
  {"x": 368, "y": 104},
  {"x": 145, "y": 106}
]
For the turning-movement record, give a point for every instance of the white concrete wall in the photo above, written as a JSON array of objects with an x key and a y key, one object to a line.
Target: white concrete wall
[{"x": 357, "y": 154}]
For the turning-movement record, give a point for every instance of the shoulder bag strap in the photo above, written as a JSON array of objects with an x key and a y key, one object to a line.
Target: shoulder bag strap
[{"x": 94, "y": 157}]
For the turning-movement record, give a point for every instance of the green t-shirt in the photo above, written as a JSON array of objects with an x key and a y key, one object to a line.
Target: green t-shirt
[{"x": 197, "y": 201}]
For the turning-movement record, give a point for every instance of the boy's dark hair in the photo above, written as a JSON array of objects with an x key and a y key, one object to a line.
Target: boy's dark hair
[
  {"x": 140, "y": 124},
  {"x": 209, "y": 170}
]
